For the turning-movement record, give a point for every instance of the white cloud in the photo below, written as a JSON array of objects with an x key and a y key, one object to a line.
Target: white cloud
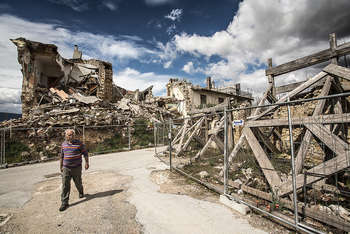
[
  {"x": 167, "y": 64},
  {"x": 77, "y": 5},
  {"x": 283, "y": 30},
  {"x": 10, "y": 96},
  {"x": 158, "y": 2},
  {"x": 190, "y": 69},
  {"x": 174, "y": 15},
  {"x": 132, "y": 79},
  {"x": 171, "y": 29},
  {"x": 10, "y": 100},
  {"x": 166, "y": 52},
  {"x": 110, "y": 5},
  {"x": 11, "y": 108},
  {"x": 97, "y": 46}
]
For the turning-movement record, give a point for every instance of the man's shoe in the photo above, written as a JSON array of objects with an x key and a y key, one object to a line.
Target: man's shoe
[
  {"x": 81, "y": 195},
  {"x": 63, "y": 207}
]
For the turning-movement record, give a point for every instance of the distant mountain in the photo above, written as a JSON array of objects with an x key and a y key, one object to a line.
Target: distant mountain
[{"x": 6, "y": 116}]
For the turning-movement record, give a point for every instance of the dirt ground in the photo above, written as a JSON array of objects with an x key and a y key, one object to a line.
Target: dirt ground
[{"x": 103, "y": 210}]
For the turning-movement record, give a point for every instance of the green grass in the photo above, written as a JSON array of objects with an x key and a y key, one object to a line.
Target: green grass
[{"x": 14, "y": 150}]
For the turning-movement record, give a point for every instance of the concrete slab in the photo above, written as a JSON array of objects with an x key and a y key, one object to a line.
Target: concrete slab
[{"x": 242, "y": 209}]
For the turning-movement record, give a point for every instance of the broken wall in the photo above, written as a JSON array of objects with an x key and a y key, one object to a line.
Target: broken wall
[{"x": 43, "y": 68}]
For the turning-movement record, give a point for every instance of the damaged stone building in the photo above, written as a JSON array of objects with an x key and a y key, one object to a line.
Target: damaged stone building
[
  {"x": 193, "y": 97},
  {"x": 48, "y": 77}
]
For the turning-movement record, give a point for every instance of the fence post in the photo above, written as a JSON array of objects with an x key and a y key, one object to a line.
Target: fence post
[
  {"x": 169, "y": 136},
  {"x": 293, "y": 165},
  {"x": 155, "y": 137},
  {"x": 84, "y": 134},
  {"x": 129, "y": 140},
  {"x": 225, "y": 150}
]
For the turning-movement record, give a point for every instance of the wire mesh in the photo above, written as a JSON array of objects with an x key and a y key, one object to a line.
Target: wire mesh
[{"x": 29, "y": 145}]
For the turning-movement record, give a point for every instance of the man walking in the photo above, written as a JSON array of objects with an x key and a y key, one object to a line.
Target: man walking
[{"x": 70, "y": 166}]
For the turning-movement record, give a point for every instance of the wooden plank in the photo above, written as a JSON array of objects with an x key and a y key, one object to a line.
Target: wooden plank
[
  {"x": 265, "y": 141},
  {"x": 309, "y": 212},
  {"x": 263, "y": 99},
  {"x": 182, "y": 135},
  {"x": 288, "y": 87},
  {"x": 333, "y": 142},
  {"x": 176, "y": 138},
  {"x": 205, "y": 148},
  {"x": 217, "y": 129},
  {"x": 291, "y": 94},
  {"x": 200, "y": 121},
  {"x": 339, "y": 71},
  {"x": 310, "y": 60},
  {"x": 323, "y": 119},
  {"x": 219, "y": 107},
  {"x": 327, "y": 168},
  {"x": 264, "y": 162},
  {"x": 299, "y": 160},
  {"x": 219, "y": 143}
]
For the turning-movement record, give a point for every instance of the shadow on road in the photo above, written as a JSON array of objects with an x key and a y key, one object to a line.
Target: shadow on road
[{"x": 97, "y": 195}]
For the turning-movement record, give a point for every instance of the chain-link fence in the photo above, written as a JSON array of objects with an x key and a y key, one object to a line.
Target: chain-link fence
[
  {"x": 288, "y": 160},
  {"x": 20, "y": 146}
]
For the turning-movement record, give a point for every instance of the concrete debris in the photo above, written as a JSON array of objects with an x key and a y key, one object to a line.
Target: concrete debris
[{"x": 203, "y": 174}]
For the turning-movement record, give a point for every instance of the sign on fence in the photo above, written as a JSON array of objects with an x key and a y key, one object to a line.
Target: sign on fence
[{"x": 239, "y": 122}]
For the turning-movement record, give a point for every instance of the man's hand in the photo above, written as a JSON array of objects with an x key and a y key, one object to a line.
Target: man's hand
[{"x": 86, "y": 165}]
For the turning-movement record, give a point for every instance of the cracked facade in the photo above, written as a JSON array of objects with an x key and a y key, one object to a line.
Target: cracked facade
[
  {"x": 193, "y": 97},
  {"x": 48, "y": 77}
]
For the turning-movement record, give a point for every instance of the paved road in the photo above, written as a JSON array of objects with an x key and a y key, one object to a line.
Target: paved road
[{"x": 156, "y": 212}]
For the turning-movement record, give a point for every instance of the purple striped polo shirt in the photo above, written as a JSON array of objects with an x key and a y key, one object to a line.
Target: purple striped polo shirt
[{"x": 71, "y": 153}]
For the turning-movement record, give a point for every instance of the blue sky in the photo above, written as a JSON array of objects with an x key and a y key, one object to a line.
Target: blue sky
[{"x": 150, "y": 41}]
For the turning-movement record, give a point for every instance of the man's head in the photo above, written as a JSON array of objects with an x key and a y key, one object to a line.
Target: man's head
[{"x": 69, "y": 135}]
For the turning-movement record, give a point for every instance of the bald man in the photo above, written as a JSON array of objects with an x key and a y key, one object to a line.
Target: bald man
[{"x": 71, "y": 166}]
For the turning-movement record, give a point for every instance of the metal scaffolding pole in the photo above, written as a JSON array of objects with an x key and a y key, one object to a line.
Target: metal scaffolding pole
[
  {"x": 129, "y": 139},
  {"x": 169, "y": 136},
  {"x": 293, "y": 166},
  {"x": 225, "y": 151}
]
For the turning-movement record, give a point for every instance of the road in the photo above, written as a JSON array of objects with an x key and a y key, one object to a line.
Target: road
[{"x": 121, "y": 198}]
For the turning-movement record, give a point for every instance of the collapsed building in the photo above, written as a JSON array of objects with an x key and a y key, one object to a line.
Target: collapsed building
[
  {"x": 193, "y": 97},
  {"x": 76, "y": 93}
]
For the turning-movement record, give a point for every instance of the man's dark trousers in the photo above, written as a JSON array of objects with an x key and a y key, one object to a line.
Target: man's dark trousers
[{"x": 67, "y": 174}]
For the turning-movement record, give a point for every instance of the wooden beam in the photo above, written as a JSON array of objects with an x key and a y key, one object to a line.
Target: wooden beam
[
  {"x": 219, "y": 107},
  {"x": 176, "y": 138},
  {"x": 327, "y": 168},
  {"x": 333, "y": 142},
  {"x": 288, "y": 87},
  {"x": 219, "y": 143},
  {"x": 205, "y": 148},
  {"x": 321, "y": 119},
  {"x": 264, "y": 162},
  {"x": 299, "y": 160},
  {"x": 291, "y": 94},
  {"x": 182, "y": 135},
  {"x": 309, "y": 212},
  {"x": 191, "y": 136},
  {"x": 310, "y": 60},
  {"x": 265, "y": 140},
  {"x": 338, "y": 71}
]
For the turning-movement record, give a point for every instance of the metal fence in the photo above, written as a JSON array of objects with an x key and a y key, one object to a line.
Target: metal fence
[
  {"x": 291, "y": 165},
  {"x": 20, "y": 146}
]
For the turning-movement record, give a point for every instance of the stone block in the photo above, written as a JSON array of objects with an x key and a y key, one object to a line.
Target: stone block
[{"x": 242, "y": 209}]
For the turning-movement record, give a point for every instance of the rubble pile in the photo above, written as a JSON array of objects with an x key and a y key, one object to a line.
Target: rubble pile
[{"x": 71, "y": 113}]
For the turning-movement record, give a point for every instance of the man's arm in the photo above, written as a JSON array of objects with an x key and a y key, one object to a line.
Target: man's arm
[
  {"x": 86, "y": 156},
  {"x": 61, "y": 160}
]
